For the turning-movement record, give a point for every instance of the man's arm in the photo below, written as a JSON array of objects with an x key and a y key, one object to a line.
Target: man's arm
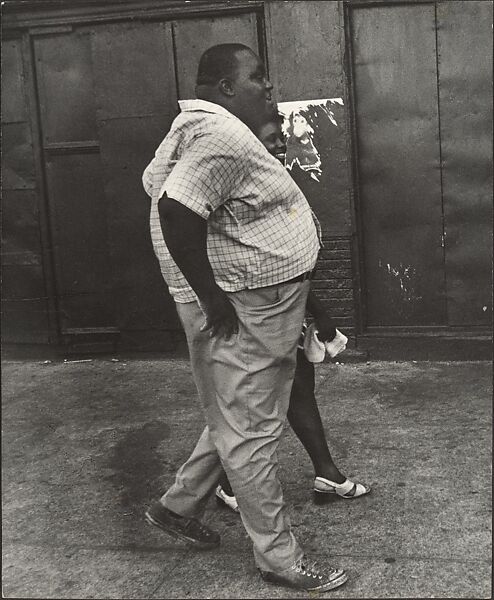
[
  {"x": 185, "y": 234},
  {"x": 325, "y": 325}
]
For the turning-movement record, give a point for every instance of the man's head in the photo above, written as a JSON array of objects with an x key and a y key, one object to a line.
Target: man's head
[
  {"x": 271, "y": 135},
  {"x": 233, "y": 76}
]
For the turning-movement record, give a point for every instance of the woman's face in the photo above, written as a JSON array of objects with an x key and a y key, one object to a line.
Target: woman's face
[{"x": 273, "y": 139}]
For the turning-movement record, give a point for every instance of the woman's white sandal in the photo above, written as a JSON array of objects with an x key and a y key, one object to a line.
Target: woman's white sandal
[{"x": 348, "y": 489}]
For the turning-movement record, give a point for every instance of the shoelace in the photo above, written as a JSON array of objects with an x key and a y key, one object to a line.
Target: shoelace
[{"x": 308, "y": 568}]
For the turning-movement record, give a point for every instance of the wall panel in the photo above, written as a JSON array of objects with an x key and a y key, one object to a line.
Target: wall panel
[
  {"x": 25, "y": 321},
  {"x": 465, "y": 92},
  {"x": 134, "y": 72},
  {"x": 17, "y": 154},
  {"x": 24, "y": 301},
  {"x": 78, "y": 210},
  {"x": 140, "y": 297},
  {"x": 80, "y": 239},
  {"x": 136, "y": 103},
  {"x": 14, "y": 108},
  {"x": 65, "y": 80},
  {"x": 399, "y": 163},
  {"x": 20, "y": 225}
]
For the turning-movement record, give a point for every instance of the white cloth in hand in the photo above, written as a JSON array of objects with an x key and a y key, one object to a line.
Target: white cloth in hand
[{"x": 315, "y": 350}]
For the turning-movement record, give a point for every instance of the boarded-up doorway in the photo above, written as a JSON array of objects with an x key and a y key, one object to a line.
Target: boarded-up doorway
[
  {"x": 422, "y": 78},
  {"x": 107, "y": 95}
]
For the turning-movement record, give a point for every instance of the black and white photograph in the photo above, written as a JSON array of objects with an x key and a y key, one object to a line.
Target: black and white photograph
[{"x": 247, "y": 299}]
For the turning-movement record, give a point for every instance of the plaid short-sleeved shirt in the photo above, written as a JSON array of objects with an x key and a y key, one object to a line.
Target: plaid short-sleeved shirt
[{"x": 261, "y": 229}]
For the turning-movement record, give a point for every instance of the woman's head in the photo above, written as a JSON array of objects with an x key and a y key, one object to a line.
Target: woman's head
[{"x": 271, "y": 135}]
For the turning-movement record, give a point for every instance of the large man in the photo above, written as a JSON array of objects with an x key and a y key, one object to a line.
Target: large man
[{"x": 241, "y": 246}]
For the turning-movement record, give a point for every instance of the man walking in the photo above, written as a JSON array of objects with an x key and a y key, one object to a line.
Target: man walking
[{"x": 241, "y": 243}]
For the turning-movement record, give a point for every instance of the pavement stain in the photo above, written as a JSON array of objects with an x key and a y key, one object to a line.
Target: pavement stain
[{"x": 137, "y": 464}]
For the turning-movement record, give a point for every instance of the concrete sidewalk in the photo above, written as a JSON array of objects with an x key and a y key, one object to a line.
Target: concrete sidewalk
[{"x": 88, "y": 445}]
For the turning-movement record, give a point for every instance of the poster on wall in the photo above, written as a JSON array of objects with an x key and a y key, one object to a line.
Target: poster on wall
[
  {"x": 304, "y": 121},
  {"x": 316, "y": 157}
]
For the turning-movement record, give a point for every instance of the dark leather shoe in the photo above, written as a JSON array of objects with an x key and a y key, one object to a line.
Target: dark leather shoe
[{"x": 187, "y": 529}]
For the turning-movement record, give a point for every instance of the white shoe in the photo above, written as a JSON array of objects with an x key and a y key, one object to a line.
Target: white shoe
[
  {"x": 347, "y": 489},
  {"x": 225, "y": 500},
  {"x": 315, "y": 350}
]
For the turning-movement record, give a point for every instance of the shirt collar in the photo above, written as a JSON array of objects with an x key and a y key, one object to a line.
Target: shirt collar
[{"x": 205, "y": 106}]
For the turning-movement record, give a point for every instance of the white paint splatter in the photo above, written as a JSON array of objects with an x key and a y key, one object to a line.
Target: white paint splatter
[{"x": 406, "y": 276}]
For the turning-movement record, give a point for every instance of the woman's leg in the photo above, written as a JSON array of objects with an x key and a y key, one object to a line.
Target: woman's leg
[{"x": 305, "y": 420}]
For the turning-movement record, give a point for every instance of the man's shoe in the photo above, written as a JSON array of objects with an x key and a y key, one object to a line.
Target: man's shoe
[
  {"x": 191, "y": 531},
  {"x": 223, "y": 499},
  {"x": 305, "y": 575}
]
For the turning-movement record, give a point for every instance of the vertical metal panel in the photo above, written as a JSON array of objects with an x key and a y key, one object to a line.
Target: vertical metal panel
[
  {"x": 140, "y": 296},
  {"x": 78, "y": 210},
  {"x": 65, "y": 81},
  {"x": 194, "y": 36},
  {"x": 24, "y": 321},
  {"x": 12, "y": 88},
  {"x": 465, "y": 76},
  {"x": 136, "y": 103},
  {"x": 17, "y": 159},
  {"x": 24, "y": 305},
  {"x": 133, "y": 70},
  {"x": 21, "y": 281},
  {"x": 32, "y": 99},
  {"x": 398, "y": 144},
  {"x": 80, "y": 239},
  {"x": 305, "y": 41},
  {"x": 20, "y": 224}
]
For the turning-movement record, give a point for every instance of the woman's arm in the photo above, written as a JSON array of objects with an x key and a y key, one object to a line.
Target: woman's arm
[{"x": 324, "y": 323}]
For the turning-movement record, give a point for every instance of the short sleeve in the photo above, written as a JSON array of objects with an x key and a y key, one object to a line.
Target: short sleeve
[
  {"x": 207, "y": 173},
  {"x": 147, "y": 178}
]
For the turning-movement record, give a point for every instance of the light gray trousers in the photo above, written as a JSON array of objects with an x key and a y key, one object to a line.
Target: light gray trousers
[{"x": 244, "y": 384}]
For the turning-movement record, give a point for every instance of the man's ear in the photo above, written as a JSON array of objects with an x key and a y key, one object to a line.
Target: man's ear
[{"x": 226, "y": 87}]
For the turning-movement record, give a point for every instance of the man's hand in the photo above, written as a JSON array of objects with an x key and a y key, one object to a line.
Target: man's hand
[{"x": 221, "y": 318}]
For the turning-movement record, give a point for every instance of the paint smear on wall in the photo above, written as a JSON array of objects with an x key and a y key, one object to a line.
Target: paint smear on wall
[
  {"x": 301, "y": 119},
  {"x": 405, "y": 277}
]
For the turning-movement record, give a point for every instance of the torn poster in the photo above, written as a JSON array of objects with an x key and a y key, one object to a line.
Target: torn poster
[{"x": 301, "y": 120}]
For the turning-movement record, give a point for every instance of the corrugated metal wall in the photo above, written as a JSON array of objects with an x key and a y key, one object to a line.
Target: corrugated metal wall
[
  {"x": 422, "y": 78},
  {"x": 25, "y": 307},
  {"x": 107, "y": 94},
  {"x": 399, "y": 158},
  {"x": 465, "y": 98},
  {"x": 90, "y": 92}
]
